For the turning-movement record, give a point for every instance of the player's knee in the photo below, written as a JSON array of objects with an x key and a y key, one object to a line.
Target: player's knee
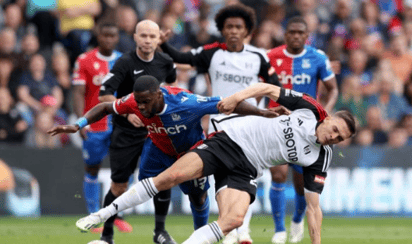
[
  {"x": 279, "y": 176},
  {"x": 170, "y": 180},
  {"x": 92, "y": 170},
  {"x": 118, "y": 188},
  {"x": 198, "y": 200}
]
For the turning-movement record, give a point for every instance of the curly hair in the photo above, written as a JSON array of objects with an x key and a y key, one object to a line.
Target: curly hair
[{"x": 236, "y": 10}]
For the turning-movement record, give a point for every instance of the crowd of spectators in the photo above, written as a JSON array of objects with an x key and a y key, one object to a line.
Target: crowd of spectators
[{"x": 39, "y": 41}]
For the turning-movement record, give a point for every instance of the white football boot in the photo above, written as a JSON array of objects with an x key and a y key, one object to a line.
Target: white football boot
[
  {"x": 244, "y": 238},
  {"x": 296, "y": 231},
  {"x": 231, "y": 238},
  {"x": 279, "y": 237},
  {"x": 88, "y": 222}
]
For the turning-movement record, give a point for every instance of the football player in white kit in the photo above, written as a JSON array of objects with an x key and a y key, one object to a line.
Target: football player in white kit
[
  {"x": 238, "y": 155},
  {"x": 231, "y": 66}
]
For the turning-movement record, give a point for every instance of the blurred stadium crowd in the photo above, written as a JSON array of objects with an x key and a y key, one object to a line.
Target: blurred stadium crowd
[{"x": 40, "y": 39}]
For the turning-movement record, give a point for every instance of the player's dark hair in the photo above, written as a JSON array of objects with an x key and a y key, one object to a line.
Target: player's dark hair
[
  {"x": 236, "y": 10},
  {"x": 146, "y": 83},
  {"x": 103, "y": 25},
  {"x": 297, "y": 19},
  {"x": 349, "y": 120}
]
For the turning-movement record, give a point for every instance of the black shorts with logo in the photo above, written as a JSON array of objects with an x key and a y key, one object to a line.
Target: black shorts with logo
[
  {"x": 224, "y": 159},
  {"x": 124, "y": 151}
]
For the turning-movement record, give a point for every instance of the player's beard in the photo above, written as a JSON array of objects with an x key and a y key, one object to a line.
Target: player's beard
[{"x": 152, "y": 112}]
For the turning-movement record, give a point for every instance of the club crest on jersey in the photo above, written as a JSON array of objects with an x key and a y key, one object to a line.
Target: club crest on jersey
[
  {"x": 175, "y": 117},
  {"x": 96, "y": 65},
  {"x": 319, "y": 179},
  {"x": 184, "y": 99},
  {"x": 305, "y": 63},
  {"x": 306, "y": 149},
  {"x": 279, "y": 62}
]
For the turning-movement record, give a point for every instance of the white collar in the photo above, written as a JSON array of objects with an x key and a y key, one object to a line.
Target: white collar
[
  {"x": 294, "y": 55},
  {"x": 164, "y": 110},
  {"x": 106, "y": 58}
]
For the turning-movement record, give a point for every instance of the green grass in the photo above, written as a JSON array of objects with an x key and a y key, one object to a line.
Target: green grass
[{"x": 56, "y": 230}]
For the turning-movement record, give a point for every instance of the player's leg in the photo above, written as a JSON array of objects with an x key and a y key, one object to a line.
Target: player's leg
[
  {"x": 244, "y": 230},
  {"x": 297, "y": 224},
  {"x": 278, "y": 202},
  {"x": 188, "y": 167},
  {"x": 233, "y": 205},
  {"x": 199, "y": 200},
  {"x": 94, "y": 150},
  {"x": 152, "y": 162},
  {"x": 123, "y": 162}
]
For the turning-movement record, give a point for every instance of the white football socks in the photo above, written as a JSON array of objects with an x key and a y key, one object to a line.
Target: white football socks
[
  {"x": 246, "y": 221},
  {"x": 207, "y": 234},
  {"x": 141, "y": 192}
]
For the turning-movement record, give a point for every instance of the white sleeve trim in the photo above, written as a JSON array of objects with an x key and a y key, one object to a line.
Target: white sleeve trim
[
  {"x": 329, "y": 77},
  {"x": 114, "y": 107},
  {"x": 78, "y": 82}
]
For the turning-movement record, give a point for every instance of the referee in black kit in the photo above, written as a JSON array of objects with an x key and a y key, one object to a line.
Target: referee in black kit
[{"x": 128, "y": 132}]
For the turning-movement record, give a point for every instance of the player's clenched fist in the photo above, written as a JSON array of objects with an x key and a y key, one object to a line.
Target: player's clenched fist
[{"x": 228, "y": 104}]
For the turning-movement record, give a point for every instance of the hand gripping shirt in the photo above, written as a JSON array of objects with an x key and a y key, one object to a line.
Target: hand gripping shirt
[{"x": 178, "y": 127}]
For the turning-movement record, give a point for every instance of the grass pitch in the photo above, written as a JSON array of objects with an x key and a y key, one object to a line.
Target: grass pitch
[{"x": 62, "y": 230}]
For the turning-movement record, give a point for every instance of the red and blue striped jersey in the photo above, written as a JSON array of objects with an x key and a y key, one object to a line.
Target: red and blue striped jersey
[
  {"x": 178, "y": 127},
  {"x": 90, "y": 69},
  {"x": 301, "y": 72}
]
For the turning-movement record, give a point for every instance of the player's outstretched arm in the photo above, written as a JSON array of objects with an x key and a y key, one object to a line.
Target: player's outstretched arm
[
  {"x": 227, "y": 105},
  {"x": 314, "y": 216},
  {"x": 246, "y": 108},
  {"x": 176, "y": 55},
  {"x": 97, "y": 113}
]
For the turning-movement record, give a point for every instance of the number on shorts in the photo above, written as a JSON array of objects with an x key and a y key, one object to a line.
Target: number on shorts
[{"x": 200, "y": 183}]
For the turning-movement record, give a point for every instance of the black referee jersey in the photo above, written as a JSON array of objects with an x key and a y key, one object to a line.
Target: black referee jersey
[{"x": 120, "y": 80}]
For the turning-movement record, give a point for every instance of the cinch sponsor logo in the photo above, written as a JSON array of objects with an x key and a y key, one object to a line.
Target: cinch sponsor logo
[
  {"x": 234, "y": 78},
  {"x": 169, "y": 130},
  {"x": 301, "y": 79}
]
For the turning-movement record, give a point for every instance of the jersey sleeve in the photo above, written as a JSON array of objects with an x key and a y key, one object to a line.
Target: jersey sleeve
[
  {"x": 199, "y": 58},
  {"x": 264, "y": 71},
  {"x": 115, "y": 77},
  {"x": 171, "y": 75},
  {"x": 79, "y": 72},
  {"x": 325, "y": 69},
  {"x": 294, "y": 100},
  {"x": 206, "y": 105},
  {"x": 125, "y": 105},
  {"x": 314, "y": 176}
]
